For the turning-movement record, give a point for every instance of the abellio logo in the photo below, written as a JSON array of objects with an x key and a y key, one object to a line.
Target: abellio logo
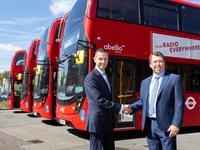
[{"x": 117, "y": 48}]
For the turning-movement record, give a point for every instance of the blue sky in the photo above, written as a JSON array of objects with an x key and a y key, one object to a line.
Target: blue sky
[{"x": 22, "y": 21}]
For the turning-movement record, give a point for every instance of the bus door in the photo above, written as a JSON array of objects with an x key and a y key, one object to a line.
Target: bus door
[
  {"x": 17, "y": 93},
  {"x": 122, "y": 77},
  {"x": 55, "y": 76}
]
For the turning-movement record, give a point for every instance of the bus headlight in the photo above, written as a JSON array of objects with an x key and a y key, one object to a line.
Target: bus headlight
[{"x": 79, "y": 104}]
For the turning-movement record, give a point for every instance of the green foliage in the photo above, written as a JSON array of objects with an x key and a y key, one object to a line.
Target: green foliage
[
  {"x": 4, "y": 74},
  {"x": 3, "y": 104}
]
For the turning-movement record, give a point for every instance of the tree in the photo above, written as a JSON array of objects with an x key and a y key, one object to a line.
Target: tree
[{"x": 3, "y": 75}]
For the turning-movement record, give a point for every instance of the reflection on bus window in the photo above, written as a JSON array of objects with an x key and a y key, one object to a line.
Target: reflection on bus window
[
  {"x": 190, "y": 75},
  {"x": 20, "y": 63},
  {"x": 70, "y": 80},
  {"x": 25, "y": 83},
  {"x": 190, "y": 19},
  {"x": 126, "y": 10},
  {"x": 159, "y": 14},
  {"x": 20, "y": 60},
  {"x": 191, "y": 78},
  {"x": 41, "y": 82}
]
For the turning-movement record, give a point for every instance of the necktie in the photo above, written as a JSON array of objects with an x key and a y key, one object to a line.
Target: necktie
[
  {"x": 153, "y": 95},
  {"x": 106, "y": 79}
]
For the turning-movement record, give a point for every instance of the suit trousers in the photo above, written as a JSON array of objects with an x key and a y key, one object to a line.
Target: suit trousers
[
  {"x": 102, "y": 141},
  {"x": 157, "y": 139}
]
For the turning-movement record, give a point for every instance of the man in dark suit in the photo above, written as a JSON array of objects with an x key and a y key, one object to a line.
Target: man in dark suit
[
  {"x": 163, "y": 106},
  {"x": 100, "y": 120}
]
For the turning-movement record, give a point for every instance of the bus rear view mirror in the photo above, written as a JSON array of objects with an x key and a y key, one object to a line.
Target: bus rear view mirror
[
  {"x": 19, "y": 76},
  {"x": 37, "y": 70},
  {"x": 79, "y": 56}
]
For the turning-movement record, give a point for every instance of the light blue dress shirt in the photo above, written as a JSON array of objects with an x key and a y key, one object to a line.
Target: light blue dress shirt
[{"x": 153, "y": 80}]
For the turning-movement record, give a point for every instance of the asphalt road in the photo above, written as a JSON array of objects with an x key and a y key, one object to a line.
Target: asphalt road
[{"x": 23, "y": 131}]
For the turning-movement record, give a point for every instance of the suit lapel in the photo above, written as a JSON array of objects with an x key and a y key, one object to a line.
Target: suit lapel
[
  {"x": 165, "y": 78},
  {"x": 147, "y": 86},
  {"x": 100, "y": 77}
]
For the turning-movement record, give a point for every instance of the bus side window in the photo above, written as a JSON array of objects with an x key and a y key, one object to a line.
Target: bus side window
[
  {"x": 126, "y": 10},
  {"x": 187, "y": 82},
  {"x": 103, "y": 12},
  {"x": 19, "y": 60},
  {"x": 121, "y": 17},
  {"x": 190, "y": 19},
  {"x": 160, "y": 14}
]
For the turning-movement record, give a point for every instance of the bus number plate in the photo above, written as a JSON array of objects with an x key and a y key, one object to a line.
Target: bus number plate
[
  {"x": 35, "y": 114},
  {"x": 62, "y": 121}
]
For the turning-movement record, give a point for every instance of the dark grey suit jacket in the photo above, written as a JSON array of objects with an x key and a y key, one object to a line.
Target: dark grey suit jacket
[{"x": 100, "y": 106}]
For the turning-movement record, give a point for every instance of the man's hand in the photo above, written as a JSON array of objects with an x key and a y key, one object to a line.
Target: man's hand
[
  {"x": 127, "y": 109},
  {"x": 173, "y": 130}
]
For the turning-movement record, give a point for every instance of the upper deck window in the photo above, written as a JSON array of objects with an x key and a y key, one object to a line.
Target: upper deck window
[
  {"x": 190, "y": 19},
  {"x": 124, "y": 10},
  {"x": 160, "y": 14},
  {"x": 19, "y": 60},
  {"x": 74, "y": 28}
]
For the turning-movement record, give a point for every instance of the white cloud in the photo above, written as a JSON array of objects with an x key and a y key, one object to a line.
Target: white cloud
[
  {"x": 18, "y": 32},
  {"x": 23, "y": 21},
  {"x": 61, "y": 7},
  {"x": 7, "y": 52},
  {"x": 42, "y": 29},
  {"x": 16, "y": 36},
  {"x": 8, "y": 48}
]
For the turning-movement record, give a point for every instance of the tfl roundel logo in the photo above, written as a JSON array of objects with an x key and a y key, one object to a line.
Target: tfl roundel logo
[
  {"x": 82, "y": 115},
  {"x": 190, "y": 103}
]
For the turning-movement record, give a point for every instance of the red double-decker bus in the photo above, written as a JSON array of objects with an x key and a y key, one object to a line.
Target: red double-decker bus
[
  {"x": 15, "y": 79},
  {"x": 130, "y": 30},
  {"x": 46, "y": 70},
  {"x": 26, "y": 102}
]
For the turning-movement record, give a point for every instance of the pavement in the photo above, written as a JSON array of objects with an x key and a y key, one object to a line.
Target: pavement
[{"x": 23, "y": 131}]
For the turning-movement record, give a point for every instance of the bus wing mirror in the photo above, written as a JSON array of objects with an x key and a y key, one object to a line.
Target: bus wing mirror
[
  {"x": 79, "y": 56},
  {"x": 37, "y": 70},
  {"x": 44, "y": 93},
  {"x": 19, "y": 76}
]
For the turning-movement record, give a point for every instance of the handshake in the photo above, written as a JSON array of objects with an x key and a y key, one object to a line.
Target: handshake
[{"x": 126, "y": 109}]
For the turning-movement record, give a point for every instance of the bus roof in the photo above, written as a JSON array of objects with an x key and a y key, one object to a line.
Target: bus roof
[{"x": 187, "y": 3}]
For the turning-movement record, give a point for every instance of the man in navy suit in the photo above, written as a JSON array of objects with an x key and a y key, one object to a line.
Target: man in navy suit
[
  {"x": 100, "y": 120},
  {"x": 163, "y": 108}
]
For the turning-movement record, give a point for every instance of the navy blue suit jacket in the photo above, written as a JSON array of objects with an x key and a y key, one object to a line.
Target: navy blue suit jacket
[
  {"x": 170, "y": 101},
  {"x": 100, "y": 106}
]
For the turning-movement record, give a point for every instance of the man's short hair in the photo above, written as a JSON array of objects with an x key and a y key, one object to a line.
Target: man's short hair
[
  {"x": 101, "y": 50},
  {"x": 156, "y": 53}
]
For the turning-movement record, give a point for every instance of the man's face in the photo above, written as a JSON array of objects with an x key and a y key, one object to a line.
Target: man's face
[
  {"x": 101, "y": 60},
  {"x": 157, "y": 64}
]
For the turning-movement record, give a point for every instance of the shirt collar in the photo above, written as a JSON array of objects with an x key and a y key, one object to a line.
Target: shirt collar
[
  {"x": 101, "y": 72},
  {"x": 160, "y": 75}
]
